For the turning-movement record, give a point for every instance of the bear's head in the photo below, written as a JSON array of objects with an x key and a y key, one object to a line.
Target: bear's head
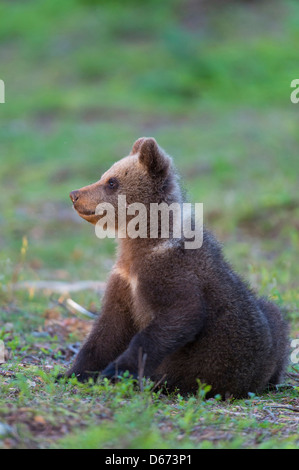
[{"x": 145, "y": 176}]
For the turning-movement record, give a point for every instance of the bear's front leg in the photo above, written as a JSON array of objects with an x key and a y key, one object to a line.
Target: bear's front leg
[
  {"x": 110, "y": 335},
  {"x": 172, "y": 327}
]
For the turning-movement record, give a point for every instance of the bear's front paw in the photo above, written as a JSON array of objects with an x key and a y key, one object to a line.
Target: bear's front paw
[
  {"x": 113, "y": 372},
  {"x": 80, "y": 376}
]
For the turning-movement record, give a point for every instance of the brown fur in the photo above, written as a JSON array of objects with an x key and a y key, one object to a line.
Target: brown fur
[{"x": 186, "y": 309}]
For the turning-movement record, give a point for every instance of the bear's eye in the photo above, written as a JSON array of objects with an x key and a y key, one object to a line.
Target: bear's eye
[{"x": 113, "y": 183}]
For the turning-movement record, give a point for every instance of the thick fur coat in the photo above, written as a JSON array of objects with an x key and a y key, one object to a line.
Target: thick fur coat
[{"x": 186, "y": 312}]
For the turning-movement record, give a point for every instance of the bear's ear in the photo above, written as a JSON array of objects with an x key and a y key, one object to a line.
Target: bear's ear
[
  {"x": 153, "y": 158},
  {"x": 137, "y": 145}
]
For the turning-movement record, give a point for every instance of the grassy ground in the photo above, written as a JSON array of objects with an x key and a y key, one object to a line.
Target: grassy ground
[{"x": 83, "y": 81}]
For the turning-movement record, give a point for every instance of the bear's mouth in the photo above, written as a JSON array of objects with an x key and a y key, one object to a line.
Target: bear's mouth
[
  {"x": 89, "y": 216},
  {"x": 80, "y": 212}
]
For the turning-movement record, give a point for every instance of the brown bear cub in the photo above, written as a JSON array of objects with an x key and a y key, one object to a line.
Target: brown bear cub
[{"x": 185, "y": 311}]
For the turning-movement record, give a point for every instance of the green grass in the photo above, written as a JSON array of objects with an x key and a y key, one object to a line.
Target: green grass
[{"x": 83, "y": 81}]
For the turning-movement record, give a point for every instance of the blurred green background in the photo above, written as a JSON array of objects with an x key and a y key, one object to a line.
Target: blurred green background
[{"x": 209, "y": 80}]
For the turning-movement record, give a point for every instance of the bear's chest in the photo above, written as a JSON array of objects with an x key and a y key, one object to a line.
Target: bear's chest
[{"x": 141, "y": 312}]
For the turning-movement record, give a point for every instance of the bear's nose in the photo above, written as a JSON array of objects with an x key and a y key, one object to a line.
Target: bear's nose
[{"x": 74, "y": 195}]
